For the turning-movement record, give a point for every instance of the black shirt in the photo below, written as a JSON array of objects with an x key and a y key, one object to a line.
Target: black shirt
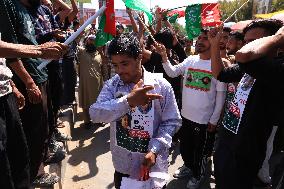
[
  {"x": 17, "y": 27},
  {"x": 265, "y": 104}
]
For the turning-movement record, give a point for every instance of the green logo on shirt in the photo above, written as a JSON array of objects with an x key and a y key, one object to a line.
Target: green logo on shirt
[{"x": 198, "y": 79}]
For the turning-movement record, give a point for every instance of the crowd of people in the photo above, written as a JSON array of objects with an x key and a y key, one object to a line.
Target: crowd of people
[{"x": 220, "y": 98}]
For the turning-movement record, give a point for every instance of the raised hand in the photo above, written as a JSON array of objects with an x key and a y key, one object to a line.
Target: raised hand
[
  {"x": 139, "y": 96},
  {"x": 214, "y": 35},
  {"x": 161, "y": 49}
]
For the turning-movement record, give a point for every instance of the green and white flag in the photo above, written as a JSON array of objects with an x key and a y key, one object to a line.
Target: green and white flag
[{"x": 140, "y": 6}]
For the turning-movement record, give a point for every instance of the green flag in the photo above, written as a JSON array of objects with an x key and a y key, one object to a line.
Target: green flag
[
  {"x": 101, "y": 37},
  {"x": 193, "y": 20},
  {"x": 173, "y": 18},
  {"x": 140, "y": 6}
]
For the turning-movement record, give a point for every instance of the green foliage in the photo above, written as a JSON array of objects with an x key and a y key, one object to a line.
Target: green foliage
[
  {"x": 277, "y": 5},
  {"x": 179, "y": 29},
  {"x": 227, "y": 7}
]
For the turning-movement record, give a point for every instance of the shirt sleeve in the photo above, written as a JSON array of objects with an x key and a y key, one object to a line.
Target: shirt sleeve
[
  {"x": 230, "y": 74},
  {"x": 108, "y": 109},
  {"x": 219, "y": 104},
  {"x": 171, "y": 121},
  {"x": 265, "y": 69},
  {"x": 176, "y": 70}
]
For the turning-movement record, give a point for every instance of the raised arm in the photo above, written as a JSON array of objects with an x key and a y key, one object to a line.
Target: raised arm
[
  {"x": 261, "y": 47},
  {"x": 63, "y": 10},
  {"x": 172, "y": 71},
  {"x": 133, "y": 22},
  {"x": 216, "y": 60},
  {"x": 72, "y": 15}
]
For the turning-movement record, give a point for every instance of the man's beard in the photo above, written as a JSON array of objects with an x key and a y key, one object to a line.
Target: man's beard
[
  {"x": 34, "y": 3},
  {"x": 90, "y": 48}
]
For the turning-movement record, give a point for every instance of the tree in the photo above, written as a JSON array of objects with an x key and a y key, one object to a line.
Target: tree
[
  {"x": 179, "y": 29},
  {"x": 227, "y": 7},
  {"x": 277, "y": 5}
]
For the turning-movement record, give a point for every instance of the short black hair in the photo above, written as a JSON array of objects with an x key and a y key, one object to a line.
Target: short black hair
[
  {"x": 204, "y": 30},
  {"x": 270, "y": 25},
  {"x": 165, "y": 37},
  {"x": 227, "y": 29},
  {"x": 125, "y": 44},
  {"x": 237, "y": 35},
  {"x": 119, "y": 26}
]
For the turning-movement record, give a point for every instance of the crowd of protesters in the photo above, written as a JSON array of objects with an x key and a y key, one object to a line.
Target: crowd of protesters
[{"x": 220, "y": 98}]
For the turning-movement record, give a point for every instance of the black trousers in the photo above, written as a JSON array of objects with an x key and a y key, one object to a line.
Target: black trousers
[
  {"x": 118, "y": 178},
  {"x": 69, "y": 80},
  {"x": 55, "y": 90},
  {"x": 14, "y": 159},
  {"x": 35, "y": 123},
  {"x": 237, "y": 162},
  {"x": 196, "y": 145}
]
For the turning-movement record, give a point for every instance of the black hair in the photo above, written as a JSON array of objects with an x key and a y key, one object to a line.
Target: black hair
[
  {"x": 125, "y": 44},
  {"x": 119, "y": 26},
  {"x": 237, "y": 35},
  {"x": 227, "y": 29},
  {"x": 270, "y": 25},
  {"x": 204, "y": 30},
  {"x": 165, "y": 37}
]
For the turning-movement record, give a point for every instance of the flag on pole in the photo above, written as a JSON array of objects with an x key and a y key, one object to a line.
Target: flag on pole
[
  {"x": 84, "y": 1},
  {"x": 140, "y": 6},
  {"x": 175, "y": 14},
  {"x": 110, "y": 18},
  {"x": 106, "y": 29},
  {"x": 198, "y": 16}
]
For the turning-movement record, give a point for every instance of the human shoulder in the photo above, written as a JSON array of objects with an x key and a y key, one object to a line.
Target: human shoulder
[
  {"x": 157, "y": 79},
  {"x": 113, "y": 82}
]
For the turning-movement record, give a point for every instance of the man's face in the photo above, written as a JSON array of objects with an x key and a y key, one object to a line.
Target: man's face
[
  {"x": 233, "y": 45},
  {"x": 34, "y": 3},
  {"x": 223, "y": 40},
  {"x": 254, "y": 34},
  {"x": 126, "y": 67},
  {"x": 202, "y": 44}
]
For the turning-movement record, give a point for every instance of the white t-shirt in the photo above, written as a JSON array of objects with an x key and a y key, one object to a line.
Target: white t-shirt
[
  {"x": 199, "y": 88},
  {"x": 5, "y": 77}
]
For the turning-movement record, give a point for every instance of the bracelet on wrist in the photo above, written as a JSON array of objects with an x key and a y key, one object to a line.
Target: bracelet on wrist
[{"x": 32, "y": 89}]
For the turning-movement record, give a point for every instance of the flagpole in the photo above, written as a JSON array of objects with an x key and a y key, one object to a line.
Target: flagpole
[
  {"x": 76, "y": 34},
  {"x": 236, "y": 11},
  {"x": 145, "y": 27}
]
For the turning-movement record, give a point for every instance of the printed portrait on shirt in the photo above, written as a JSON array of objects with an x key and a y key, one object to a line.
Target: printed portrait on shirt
[
  {"x": 198, "y": 79},
  {"x": 135, "y": 129}
]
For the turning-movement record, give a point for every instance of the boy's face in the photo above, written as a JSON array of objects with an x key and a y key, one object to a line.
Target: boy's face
[{"x": 126, "y": 67}]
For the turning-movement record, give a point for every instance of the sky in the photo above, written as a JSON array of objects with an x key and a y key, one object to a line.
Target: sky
[
  {"x": 118, "y": 4},
  {"x": 165, "y": 4}
]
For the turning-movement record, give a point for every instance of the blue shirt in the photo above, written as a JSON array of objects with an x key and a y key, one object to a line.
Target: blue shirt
[{"x": 129, "y": 146}]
